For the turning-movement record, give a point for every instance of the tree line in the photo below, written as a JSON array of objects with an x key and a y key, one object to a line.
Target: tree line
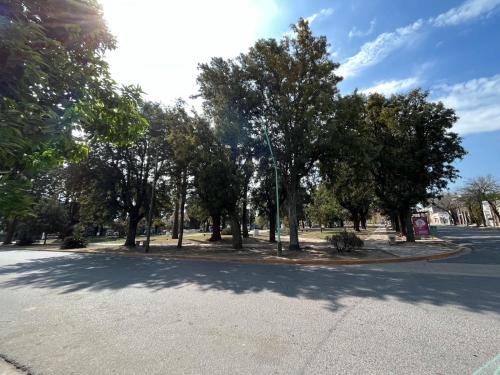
[
  {"x": 76, "y": 148},
  {"x": 467, "y": 205}
]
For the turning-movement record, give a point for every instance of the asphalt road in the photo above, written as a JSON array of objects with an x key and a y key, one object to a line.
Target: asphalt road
[
  {"x": 485, "y": 243},
  {"x": 93, "y": 314}
]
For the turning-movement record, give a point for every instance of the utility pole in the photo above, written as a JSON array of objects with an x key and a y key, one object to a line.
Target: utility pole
[{"x": 278, "y": 223}]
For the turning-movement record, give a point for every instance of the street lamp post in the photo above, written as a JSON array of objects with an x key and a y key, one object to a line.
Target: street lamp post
[{"x": 278, "y": 224}]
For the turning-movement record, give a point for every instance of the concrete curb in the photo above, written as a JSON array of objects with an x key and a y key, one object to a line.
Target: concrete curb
[{"x": 274, "y": 260}]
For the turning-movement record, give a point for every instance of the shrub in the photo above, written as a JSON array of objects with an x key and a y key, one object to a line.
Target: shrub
[
  {"x": 226, "y": 231},
  {"x": 25, "y": 240},
  {"x": 345, "y": 241},
  {"x": 77, "y": 240},
  {"x": 71, "y": 242}
]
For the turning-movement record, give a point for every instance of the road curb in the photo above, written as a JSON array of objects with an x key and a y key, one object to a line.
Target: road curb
[{"x": 274, "y": 260}]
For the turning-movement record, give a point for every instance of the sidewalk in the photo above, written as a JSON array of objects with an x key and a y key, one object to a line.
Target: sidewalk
[{"x": 315, "y": 251}]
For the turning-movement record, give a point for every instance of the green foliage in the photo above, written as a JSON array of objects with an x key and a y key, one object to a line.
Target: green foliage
[
  {"x": 16, "y": 199},
  {"x": 52, "y": 52},
  {"x": 77, "y": 240},
  {"x": 260, "y": 221},
  {"x": 324, "y": 208},
  {"x": 421, "y": 164},
  {"x": 297, "y": 86},
  {"x": 345, "y": 241},
  {"x": 51, "y": 60},
  {"x": 72, "y": 242}
]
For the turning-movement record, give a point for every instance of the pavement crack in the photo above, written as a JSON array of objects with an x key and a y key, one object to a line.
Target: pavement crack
[
  {"x": 21, "y": 369},
  {"x": 327, "y": 337}
]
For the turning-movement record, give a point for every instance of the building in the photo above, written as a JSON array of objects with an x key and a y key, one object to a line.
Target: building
[
  {"x": 437, "y": 216},
  {"x": 489, "y": 215}
]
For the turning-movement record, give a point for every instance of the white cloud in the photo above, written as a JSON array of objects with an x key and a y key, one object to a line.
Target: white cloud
[
  {"x": 375, "y": 51},
  {"x": 359, "y": 33},
  {"x": 392, "y": 87},
  {"x": 160, "y": 43},
  {"x": 477, "y": 103},
  {"x": 467, "y": 11},
  {"x": 322, "y": 13}
]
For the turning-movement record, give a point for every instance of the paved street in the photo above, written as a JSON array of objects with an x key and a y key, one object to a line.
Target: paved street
[
  {"x": 93, "y": 314},
  {"x": 485, "y": 243}
]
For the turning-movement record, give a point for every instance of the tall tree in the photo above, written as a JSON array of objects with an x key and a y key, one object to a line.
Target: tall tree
[
  {"x": 416, "y": 149},
  {"x": 346, "y": 158},
  {"x": 182, "y": 142},
  {"x": 297, "y": 86},
  {"x": 231, "y": 104},
  {"x": 51, "y": 58},
  {"x": 132, "y": 159},
  {"x": 217, "y": 189}
]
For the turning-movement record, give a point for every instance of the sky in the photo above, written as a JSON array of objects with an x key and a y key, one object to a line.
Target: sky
[{"x": 449, "y": 47}]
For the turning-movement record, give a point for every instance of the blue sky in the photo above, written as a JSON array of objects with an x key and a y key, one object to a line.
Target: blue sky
[{"x": 451, "y": 48}]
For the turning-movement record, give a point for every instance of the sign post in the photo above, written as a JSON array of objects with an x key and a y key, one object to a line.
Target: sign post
[{"x": 421, "y": 227}]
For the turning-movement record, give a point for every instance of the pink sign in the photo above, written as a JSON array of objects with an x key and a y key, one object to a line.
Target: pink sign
[{"x": 420, "y": 226}]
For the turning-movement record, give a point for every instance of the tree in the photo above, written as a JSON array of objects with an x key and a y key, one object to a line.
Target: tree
[
  {"x": 216, "y": 188},
  {"x": 416, "y": 150},
  {"x": 483, "y": 188},
  {"x": 126, "y": 164},
  {"x": 52, "y": 57},
  {"x": 182, "y": 142},
  {"x": 16, "y": 202},
  {"x": 450, "y": 203},
  {"x": 231, "y": 104},
  {"x": 296, "y": 84},
  {"x": 346, "y": 158},
  {"x": 324, "y": 208}
]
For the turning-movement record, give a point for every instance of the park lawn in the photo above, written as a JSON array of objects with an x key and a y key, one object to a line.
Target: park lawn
[
  {"x": 160, "y": 238},
  {"x": 317, "y": 234},
  {"x": 263, "y": 236}
]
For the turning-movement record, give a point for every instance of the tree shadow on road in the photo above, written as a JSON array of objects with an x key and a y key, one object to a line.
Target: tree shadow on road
[{"x": 67, "y": 274}]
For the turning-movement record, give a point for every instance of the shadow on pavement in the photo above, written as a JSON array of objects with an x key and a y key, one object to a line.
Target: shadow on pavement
[{"x": 73, "y": 273}]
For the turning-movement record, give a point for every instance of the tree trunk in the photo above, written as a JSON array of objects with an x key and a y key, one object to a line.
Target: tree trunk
[
  {"x": 223, "y": 221},
  {"x": 395, "y": 222},
  {"x": 410, "y": 236},
  {"x": 355, "y": 221},
  {"x": 11, "y": 229},
  {"x": 341, "y": 223},
  {"x": 363, "y": 221},
  {"x": 272, "y": 225},
  {"x": 244, "y": 213},
  {"x": 236, "y": 232},
  {"x": 292, "y": 219},
  {"x": 132, "y": 230},
  {"x": 207, "y": 226},
  {"x": 102, "y": 232},
  {"x": 175, "y": 225},
  {"x": 454, "y": 217},
  {"x": 483, "y": 215},
  {"x": 402, "y": 221},
  {"x": 183, "y": 204},
  {"x": 215, "y": 229}
]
